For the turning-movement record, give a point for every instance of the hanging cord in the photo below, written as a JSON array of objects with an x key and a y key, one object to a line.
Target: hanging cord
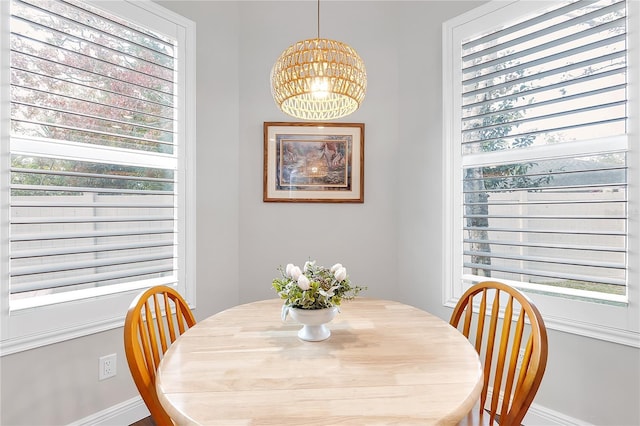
[{"x": 318, "y": 20}]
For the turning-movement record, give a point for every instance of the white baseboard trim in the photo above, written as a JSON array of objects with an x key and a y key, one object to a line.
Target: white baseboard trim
[
  {"x": 538, "y": 415},
  {"x": 122, "y": 414},
  {"x": 542, "y": 416},
  {"x": 132, "y": 410}
]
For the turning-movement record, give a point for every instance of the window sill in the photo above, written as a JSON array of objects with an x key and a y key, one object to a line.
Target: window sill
[{"x": 619, "y": 335}]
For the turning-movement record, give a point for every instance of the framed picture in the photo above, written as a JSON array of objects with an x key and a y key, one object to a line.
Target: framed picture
[{"x": 313, "y": 162}]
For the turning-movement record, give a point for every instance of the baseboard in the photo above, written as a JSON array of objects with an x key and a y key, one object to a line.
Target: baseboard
[
  {"x": 538, "y": 415},
  {"x": 542, "y": 416},
  {"x": 122, "y": 414},
  {"x": 132, "y": 410}
]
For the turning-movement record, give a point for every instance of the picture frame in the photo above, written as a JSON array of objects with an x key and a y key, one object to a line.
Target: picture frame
[{"x": 313, "y": 162}]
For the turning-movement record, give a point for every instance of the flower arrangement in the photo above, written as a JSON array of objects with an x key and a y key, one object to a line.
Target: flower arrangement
[{"x": 314, "y": 287}]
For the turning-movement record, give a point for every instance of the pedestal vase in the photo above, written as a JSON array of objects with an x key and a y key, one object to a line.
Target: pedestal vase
[{"x": 314, "y": 322}]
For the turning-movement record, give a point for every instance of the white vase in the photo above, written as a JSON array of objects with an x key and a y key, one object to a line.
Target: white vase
[{"x": 314, "y": 322}]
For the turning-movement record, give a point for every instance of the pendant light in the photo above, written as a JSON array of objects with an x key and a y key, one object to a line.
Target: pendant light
[{"x": 318, "y": 79}]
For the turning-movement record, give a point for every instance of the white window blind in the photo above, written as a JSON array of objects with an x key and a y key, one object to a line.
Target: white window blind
[
  {"x": 543, "y": 142},
  {"x": 94, "y": 167}
]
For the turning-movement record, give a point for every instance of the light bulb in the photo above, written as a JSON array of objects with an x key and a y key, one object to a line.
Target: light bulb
[{"x": 320, "y": 87}]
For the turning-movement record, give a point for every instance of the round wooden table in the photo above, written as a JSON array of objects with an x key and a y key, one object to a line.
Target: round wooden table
[{"x": 385, "y": 363}]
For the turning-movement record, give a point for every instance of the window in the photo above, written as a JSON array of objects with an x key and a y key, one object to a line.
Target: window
[
  {"x": 94, "y": 164},
  {"x": 540, "y": 106}
]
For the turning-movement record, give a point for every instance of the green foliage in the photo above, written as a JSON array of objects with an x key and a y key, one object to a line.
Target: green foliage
[
  {"x": 50, "y": 172},
  {"x": 511, "y": 176},
  {"x": 325, "y": 289},
  {"x": 69, "y": 84}
]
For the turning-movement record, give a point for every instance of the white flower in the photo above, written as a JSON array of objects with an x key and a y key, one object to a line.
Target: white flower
[
  {"x": 295, "y": 273},
  {"x": 288, "y": 269},
  {"x": 322, "y": 287},
  {"x": 303, "y": 282},
  {"x": 308, "y": 264},
  {"x": 328, "y": 293}
]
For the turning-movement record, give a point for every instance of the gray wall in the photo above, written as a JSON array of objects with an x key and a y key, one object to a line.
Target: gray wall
[{"x": 391, "y": 243}]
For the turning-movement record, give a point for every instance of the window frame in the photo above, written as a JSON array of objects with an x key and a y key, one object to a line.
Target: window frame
[
  {"x": 43, "y": 325},
  {"x": 615, "y": 322}
]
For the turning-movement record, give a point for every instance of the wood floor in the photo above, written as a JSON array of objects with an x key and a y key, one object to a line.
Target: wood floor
[{"x": 147, "y": 421}]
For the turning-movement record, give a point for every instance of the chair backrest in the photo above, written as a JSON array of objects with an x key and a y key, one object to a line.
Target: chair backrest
[
  {"x": 513, "y": 350},
  {"x": 149, "y": 330}
]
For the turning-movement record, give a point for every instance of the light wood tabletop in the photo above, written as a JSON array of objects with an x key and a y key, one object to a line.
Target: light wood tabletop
[{"x": 385, "y": 363}]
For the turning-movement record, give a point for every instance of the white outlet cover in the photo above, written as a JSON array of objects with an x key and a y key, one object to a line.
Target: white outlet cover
[{"x": 107, "y": 366}]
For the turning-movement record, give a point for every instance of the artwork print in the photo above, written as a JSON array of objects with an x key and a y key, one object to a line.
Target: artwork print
[{"x": 313, "y": 162}]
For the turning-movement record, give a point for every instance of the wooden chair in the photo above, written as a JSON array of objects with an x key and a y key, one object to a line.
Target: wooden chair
[
  {"x": 513, "y": 350},
  {"x": 148, "y": 333}
]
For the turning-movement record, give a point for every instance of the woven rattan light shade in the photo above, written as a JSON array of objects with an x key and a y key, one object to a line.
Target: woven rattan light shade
[{"x": 319, "y": 79}]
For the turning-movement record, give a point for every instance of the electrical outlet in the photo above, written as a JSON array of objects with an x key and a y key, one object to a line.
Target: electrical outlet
[{"x": 107, "y": 366}]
